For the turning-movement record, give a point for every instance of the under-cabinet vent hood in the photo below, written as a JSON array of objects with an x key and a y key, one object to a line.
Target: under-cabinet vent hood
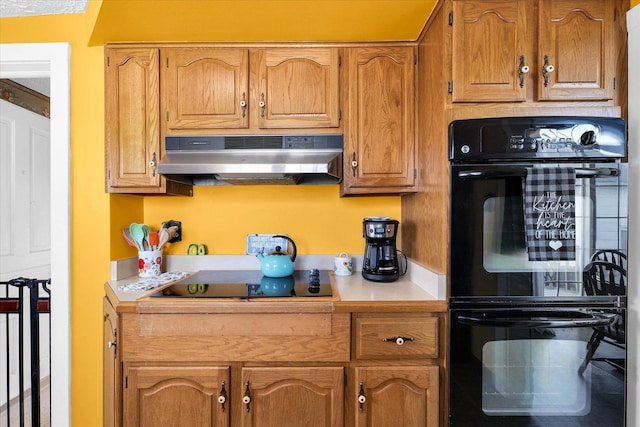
[{"x": 253, "y": 159}]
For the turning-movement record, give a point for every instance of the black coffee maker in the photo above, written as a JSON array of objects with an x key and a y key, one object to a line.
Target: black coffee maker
[{"x": 380, "y": 263}]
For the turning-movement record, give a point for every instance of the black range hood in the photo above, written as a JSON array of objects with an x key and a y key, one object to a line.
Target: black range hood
[{"x": 253, "y": 159}]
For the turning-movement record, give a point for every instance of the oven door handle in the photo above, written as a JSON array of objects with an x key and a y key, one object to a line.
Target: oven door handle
[
  {"x": 540, "y": 319},
  {"x": 522, "y": 172}
]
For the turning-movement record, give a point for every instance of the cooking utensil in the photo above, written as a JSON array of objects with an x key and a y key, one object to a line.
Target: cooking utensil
[
  {"x": 154, "y": 240},
  {"x": 163, "y": 237},
  {"x": 137, "y": 234},
  {"x": 128, "y": 238},
  {"x": 145, "y": 242}
]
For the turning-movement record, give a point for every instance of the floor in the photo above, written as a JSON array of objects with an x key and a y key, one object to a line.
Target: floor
[{"x": 14, "y": 410}]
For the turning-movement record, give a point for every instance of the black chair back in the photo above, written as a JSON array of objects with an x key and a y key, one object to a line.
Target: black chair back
[
  {"x": 605, "y": 278},
  {"x": 610, "y": 255}
]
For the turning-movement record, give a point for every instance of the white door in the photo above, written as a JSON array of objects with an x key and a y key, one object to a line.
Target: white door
[{"x": 25, "y": 242}]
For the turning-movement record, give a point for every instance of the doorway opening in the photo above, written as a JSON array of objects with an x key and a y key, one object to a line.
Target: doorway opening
[{"x": 51, "y": 60}]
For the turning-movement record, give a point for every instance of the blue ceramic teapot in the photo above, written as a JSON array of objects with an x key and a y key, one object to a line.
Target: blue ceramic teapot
[{"x": 278, "y": 263}]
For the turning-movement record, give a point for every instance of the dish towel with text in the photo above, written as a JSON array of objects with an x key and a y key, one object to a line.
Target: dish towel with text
[{"x": 550, "y": 213}]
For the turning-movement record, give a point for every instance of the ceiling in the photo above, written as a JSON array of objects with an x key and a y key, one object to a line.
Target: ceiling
[
  {"x": 260, "y": 20},
  {"x": 236, "y": 20},
  {"x": 10, "y": 8},
  {"x": 240, "y": 20}
]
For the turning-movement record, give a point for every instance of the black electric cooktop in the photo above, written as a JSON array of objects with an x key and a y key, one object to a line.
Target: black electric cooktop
[{"x": 249, "y": 284}]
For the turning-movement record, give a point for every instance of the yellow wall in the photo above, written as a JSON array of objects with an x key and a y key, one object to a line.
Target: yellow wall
[
  {"x": 635, "y": 3},
  {"x": 89, "y": 203},
  {"x": 316, "y": 217}
]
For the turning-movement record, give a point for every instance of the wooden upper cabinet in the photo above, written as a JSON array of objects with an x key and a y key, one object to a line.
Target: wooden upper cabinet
[
  {"x": 488, "y": 45},
  {"x": 240, "y": 88},
  {"x": 563, "y": 49},
  {"x": 205, "y": 88},
  {"x": 379, "y": 147},
  {"x": 576, "y": 38},
  {"x": 297, "y": 88},
  {"x": 132, "y": 132}
]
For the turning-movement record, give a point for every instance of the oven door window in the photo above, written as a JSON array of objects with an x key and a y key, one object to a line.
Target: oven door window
[
  {"x": 523, "y": 368},
  {"x": 535, "y": 377},
  {"x": 488, "y": 246}
]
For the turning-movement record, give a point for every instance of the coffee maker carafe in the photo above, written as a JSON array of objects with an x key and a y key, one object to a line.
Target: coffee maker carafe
[{"x": 380, "y": 263}]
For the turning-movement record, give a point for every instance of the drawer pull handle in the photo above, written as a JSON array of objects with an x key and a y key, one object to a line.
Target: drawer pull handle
[{"x": 398, "y": 340}]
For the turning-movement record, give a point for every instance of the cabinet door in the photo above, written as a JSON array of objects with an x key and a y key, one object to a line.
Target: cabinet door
[
  {"x": 401, "y": 396},
  {"x": 112, "y": 371},
  {"x": 176, "y": 396},
  {"x": 296, "y": 88},
  {"x": 284, "y": 396},
  {"x": 205, "y": 88},
  {"x": 131, "y": 114},
  {"x": 380, "y": 147},
  {"x": 488, "y": 46},
  {"x": 576, "y": 37}
]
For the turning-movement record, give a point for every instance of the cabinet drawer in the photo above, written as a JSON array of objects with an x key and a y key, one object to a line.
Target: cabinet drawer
[
  {"x": 236, "y": 337},
  {"x": 396, "y": 337}
]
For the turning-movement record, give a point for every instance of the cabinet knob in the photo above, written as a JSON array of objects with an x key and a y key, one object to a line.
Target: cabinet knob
[
  {"x": 362, "y": 398},
  {"x": 246, "y": 399},
  {"x": 354, "y": 164},
  {"x": 111, "y": 344},
  {"x": 546, "y": 70},
  {"x": 152, "y": 164},
  {"x": 523, "y": 70},
  {"x": 262, "y": 104},
  {"x": 222, "y": 396},
  {"x": 243, "y": 104}
]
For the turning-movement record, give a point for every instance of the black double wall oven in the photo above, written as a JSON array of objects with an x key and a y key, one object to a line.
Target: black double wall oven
[{"x": 537, "y": 203}]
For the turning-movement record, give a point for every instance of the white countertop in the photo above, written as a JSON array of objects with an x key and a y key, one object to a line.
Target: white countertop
[{"x": 418, "y": 284}]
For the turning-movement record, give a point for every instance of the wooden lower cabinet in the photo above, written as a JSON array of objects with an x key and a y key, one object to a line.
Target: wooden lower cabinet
[
  {"x": 112, "y": 367},
  {"x": 400, "y": 396},
  {"x": 190, "y": 366},
  {"x": 205, "y": 396},
  {"x": 293, "y": 396},
  {"x": 189, "y": 396},
  {"x": 394, "y": 377}
]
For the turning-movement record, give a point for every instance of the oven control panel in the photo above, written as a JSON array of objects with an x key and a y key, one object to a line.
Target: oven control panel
[
  {"x": 537, "y": 137},
  {"x": 579, "y": 137}
]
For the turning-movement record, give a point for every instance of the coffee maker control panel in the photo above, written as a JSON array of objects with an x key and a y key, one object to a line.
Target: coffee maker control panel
[{"x": 381, "y": 230}]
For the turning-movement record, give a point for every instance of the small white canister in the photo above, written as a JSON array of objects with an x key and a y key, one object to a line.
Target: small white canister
[{"x": 342, "y": 265}]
